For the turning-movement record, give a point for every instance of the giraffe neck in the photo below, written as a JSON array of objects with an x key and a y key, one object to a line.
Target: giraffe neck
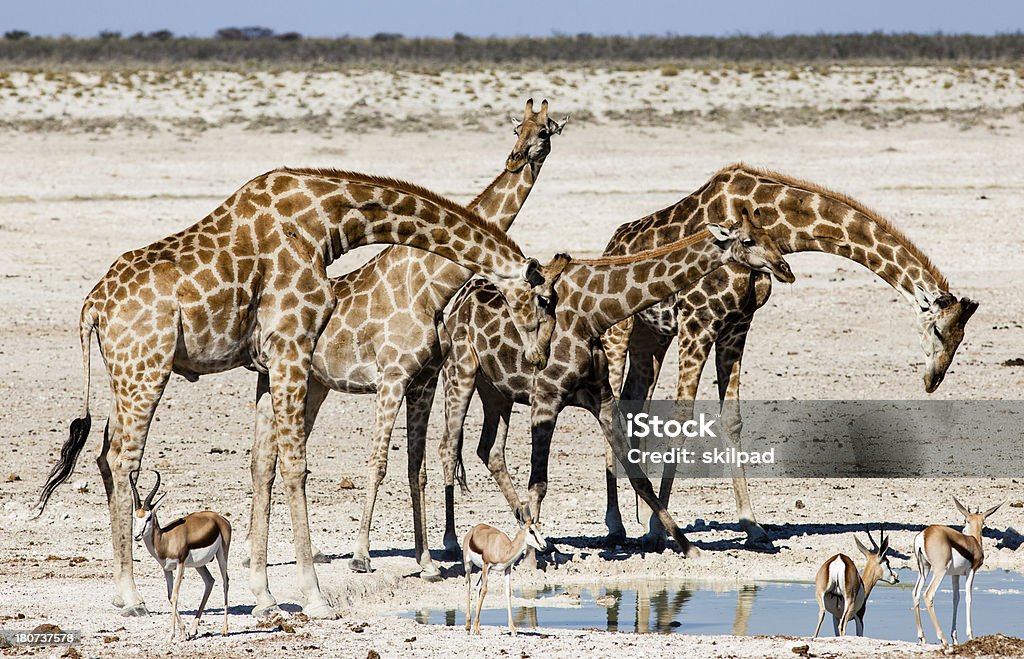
[
  {"x": 498, "y": 204},
  {"x": 824, "y": 223},
  {"x": 353, "y": 210},
  {"x": 615, "y": 289},
  {"x": 800, "y": 216}
]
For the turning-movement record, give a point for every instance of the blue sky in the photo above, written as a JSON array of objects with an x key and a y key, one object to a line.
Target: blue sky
[{"x": 511, "y": 18}]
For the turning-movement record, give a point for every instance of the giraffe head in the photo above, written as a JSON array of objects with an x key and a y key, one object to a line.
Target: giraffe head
[
  {"x": 533, "y": 310},
  {"x": 749, "y": 244},
  {"x": 142, "y": 519},
  {"x": 533, "y": 138},
  {"x": 941, "y": 319}
]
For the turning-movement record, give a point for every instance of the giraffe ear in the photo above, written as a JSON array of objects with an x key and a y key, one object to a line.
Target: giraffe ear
[
  {"x": 720, "y": 233},
  {"x": 532, "y": 274},
  {"x": 555, "y": 128},
  {"x": 925, "y": 300}
]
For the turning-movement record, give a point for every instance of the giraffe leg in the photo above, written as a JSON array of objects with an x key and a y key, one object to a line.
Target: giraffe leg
[
  {"x": 728, "y": 355},
  {"x": 646, "y": 355},
  {"x": 288, "y": 370},
  {"x": 641, "y": 484},
  {"x": 459, "y": 375},
  {"x": 418, "y": 400},
  {"x": 137, "y": 392},
  {"x": 391, "y": 387},
  {"x": 694, "y": 347},
  {"x": 491, "y": 448},
  {"x": 263, "y": 467},
  {"x": 543, "y": 417}
]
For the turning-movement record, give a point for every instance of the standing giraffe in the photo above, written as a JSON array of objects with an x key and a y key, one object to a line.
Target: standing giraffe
[
  {"x": 247, "y": 286},
  {"x": 590, "y": 296},
  {"x": 718, "y": 310},
  {"x": 381, "y": 339}
]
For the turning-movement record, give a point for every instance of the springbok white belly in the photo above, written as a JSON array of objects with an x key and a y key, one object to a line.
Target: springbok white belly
[{"x": 478, "y": 560}]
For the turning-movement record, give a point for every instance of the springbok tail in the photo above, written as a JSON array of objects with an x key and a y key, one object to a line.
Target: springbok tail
[{"x": 79, "y": 432}]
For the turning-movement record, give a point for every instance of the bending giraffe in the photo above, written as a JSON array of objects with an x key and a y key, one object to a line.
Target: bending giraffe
[
  {"x": 247, "y": 286},
  {"x": 717, "y": 311},
  {"x": 380, "y": 339},
  {"x": 590, "y": 297}
]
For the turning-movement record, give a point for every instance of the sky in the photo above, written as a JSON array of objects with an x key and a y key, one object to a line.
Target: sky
[{"x": 512, "y": 18}]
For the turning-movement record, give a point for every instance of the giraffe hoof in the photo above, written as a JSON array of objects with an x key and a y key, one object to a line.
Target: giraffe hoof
[
  {"x": 268, "y": 611},
  {"x": 320, "y": 610},
  {"x": 652, "y": 542},
  {"x": 135, "y": 611},
  {"x": 757, "y": 537},
  {"x": 361, "y": 565},
  {"x": 691, "y": 552},
  {"x": 321, "y": 557},
  {"x": 117, "y": 601},
  {"x": 617, "y": 539},
  {"x": 452, "y": 553},
  {"x": 430, "y": 574}
]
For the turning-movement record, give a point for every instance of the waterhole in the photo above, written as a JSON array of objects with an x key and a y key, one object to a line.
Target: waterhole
[{"x": 743, "y": 609}]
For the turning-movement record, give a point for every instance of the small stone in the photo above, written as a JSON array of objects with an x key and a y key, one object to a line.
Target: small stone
[
  {"x": 81, "y": 485},
  {"x": 1017, "y": 504},
  {"x": 111, "y": 638},
  {"x": 799, "y": 505},
  {"x": 13, "y": 477},
  {"x": 802, "y": 650},
  {"x": 346, "y": 483},
  {"x": 373, "y": 654}
]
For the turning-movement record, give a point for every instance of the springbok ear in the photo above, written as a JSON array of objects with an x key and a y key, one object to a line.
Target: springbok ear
[
  {"x": 993, "y": 509},
  {"x": 719, "y": 232},
  {"x": 860, "y": 545},
  {"x": 884, "y": 547},
  {"x": 925, "y": 299},
  {"x": 159, "y": 501},
  {"x": 960, "y": 507}
]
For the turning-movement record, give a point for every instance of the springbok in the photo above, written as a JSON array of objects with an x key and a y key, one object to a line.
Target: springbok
[
  {"x": 191, "y": 541},
  {"x": 941, "y": 550},
  {"x": 844, "y": 593},
  {"x": 489, "y": 548}
]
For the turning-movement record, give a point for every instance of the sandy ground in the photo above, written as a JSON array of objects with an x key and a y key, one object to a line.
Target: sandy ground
[{"x": 77, "y": 194}]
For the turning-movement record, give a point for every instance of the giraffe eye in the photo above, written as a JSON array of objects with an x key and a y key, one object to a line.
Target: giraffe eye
[
  {"x": 543, "y": 300},
  {"x": 936, "y": 332},
  {"x": 748, "y": 242}
]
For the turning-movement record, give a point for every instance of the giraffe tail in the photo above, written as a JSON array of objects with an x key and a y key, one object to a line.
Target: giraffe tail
[{"x": 79, "y": 427}]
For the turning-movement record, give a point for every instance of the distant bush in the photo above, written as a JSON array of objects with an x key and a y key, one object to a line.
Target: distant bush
[
  {"x": 257, "y": 46},
  {"x": 109, "y": 35}
]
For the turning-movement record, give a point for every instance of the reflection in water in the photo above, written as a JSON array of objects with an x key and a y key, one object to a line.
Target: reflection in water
[{"x": 696, "y": 607}]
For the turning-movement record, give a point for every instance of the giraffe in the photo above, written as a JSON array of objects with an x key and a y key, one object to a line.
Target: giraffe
[
  {"x": 591, "y": 296},
  {"x": 718, "y": 310},
  {"x": 380, "y": 339},
  {"x": 247, "y": 286}
]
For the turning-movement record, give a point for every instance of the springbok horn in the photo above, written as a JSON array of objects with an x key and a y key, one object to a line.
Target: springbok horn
[
  {"x": 874, "y": 545},
  {"x": 156, "y": 486},
  {"x": 132, "y": 477}
]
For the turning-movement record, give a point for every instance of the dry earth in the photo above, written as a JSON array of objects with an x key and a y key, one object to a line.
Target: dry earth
[{"x": 83, "y": 184}]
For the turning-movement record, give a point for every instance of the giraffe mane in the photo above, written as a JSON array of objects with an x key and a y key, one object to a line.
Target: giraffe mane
[
  {"x": 692, "y": 239},
  {"x": 898, "y": 235},
  {"x": 467, "y": 215}
]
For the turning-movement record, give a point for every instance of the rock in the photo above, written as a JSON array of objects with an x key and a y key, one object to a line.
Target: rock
[
  {"x": 799, "y": 505},
  {"x": 346, "y": 483},
  {"x": 373, "y": 654},
  {"x": 81, "y": 485},
  {"x": 1017, "y": 504},
  {"x": 13, "y": 477},
  {"x": 802, "y": 650}
]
